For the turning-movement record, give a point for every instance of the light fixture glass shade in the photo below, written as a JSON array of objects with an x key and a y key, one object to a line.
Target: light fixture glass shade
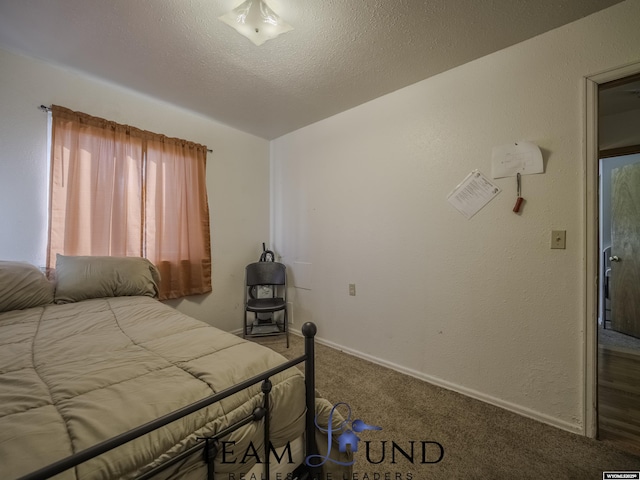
[{"x": 256, "y": 21}]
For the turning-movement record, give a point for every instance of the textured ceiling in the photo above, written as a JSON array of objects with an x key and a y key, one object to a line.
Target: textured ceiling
[{"x": 340, "y": 54}]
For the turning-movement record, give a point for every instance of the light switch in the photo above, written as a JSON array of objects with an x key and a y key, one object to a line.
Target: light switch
[
  {"x": 559, "y": 239},
  {"x": 352, "y": 289}
]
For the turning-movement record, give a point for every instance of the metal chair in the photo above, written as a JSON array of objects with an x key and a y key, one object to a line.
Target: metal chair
[{"x": 265, "y": 293}]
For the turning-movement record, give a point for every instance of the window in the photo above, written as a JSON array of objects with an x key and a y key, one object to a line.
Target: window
[{"x": 120, "y": 191}]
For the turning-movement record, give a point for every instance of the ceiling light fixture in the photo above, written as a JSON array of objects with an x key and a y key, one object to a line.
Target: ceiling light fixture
[{"x": 256, "y": 21}]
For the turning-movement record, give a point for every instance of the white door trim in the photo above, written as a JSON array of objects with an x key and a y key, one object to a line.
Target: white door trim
[{"x": 592, "y": 255}]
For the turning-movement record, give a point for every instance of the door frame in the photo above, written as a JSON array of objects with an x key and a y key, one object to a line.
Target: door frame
[{"x": 591, "y": 245}]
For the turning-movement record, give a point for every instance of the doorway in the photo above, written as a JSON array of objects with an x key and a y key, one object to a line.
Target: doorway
[{"x": 618, "y": 247}]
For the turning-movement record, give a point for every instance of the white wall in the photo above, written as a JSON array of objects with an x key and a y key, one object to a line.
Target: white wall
[
  {"x": 483, "y": 306},
  {"x": 237, "y": 172}
]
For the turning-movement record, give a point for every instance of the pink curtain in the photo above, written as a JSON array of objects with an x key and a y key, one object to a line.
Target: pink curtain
[
  {"x": 120, "y": 191},
  {"x": 177, "y": 215}
]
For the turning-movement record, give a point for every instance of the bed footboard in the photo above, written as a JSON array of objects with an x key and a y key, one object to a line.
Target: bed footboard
[{"x": 209, "y": 445}]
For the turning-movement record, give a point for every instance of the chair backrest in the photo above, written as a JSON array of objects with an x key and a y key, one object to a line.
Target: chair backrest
[{"x": 266, "y": 273}]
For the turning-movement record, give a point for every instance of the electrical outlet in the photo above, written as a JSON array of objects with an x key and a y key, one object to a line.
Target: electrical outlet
[
  {"x": 559, "y": 239},
  {"x": 352, "y": 289}
]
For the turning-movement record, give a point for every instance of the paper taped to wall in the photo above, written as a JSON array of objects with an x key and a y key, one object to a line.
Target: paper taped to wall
[
  {"x": 520, "y": 157},
  {"x": 473, "y": 193}
]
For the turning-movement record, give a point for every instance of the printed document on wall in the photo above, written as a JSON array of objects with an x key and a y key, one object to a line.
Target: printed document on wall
[{"x": 472, "y": 194}]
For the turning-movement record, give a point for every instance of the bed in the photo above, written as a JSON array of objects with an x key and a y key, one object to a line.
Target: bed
[{"x": 93, "y": 355}]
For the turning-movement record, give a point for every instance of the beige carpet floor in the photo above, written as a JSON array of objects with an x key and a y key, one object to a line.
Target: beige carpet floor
[{"x": 480, "y": 441}]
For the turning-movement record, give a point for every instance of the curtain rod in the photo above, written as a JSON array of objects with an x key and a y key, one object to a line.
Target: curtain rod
[{"x": 44, "y": 108}]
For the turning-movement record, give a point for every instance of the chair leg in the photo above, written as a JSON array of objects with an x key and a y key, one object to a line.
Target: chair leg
[
  {"x": 286, "y": 326},
  {"x": 244, "y": 325}
]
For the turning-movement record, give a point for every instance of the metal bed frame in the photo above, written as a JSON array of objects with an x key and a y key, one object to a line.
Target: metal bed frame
[{"x": 209, "y": 445}]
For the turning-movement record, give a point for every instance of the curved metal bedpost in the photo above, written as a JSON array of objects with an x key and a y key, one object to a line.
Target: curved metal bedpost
[{"x": 309, "y": 331}]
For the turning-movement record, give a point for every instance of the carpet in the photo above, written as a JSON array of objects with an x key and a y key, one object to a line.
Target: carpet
[{"x": 478, "y": 440}]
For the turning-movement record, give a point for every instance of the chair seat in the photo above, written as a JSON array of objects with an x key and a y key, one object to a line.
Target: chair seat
[{"x": 265, "y": 304}]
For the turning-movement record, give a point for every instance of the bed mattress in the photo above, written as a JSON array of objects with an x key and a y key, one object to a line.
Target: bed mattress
[{"x": 75, "y": 374}]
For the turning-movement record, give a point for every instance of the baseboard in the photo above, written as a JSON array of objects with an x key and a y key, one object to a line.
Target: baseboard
[{"x": 512, "y": 407}]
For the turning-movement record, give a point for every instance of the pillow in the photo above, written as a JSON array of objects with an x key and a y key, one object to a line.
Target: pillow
[
  {"x": 23, "y": 285},
  {"x": 81, "y": 278}
]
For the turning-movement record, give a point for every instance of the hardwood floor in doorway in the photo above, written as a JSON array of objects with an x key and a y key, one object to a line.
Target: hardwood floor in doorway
[{"x": 619, "y": 396}]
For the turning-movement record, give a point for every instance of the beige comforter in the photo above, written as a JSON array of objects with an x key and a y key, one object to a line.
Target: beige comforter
[{"x": 76, "y": 374}]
